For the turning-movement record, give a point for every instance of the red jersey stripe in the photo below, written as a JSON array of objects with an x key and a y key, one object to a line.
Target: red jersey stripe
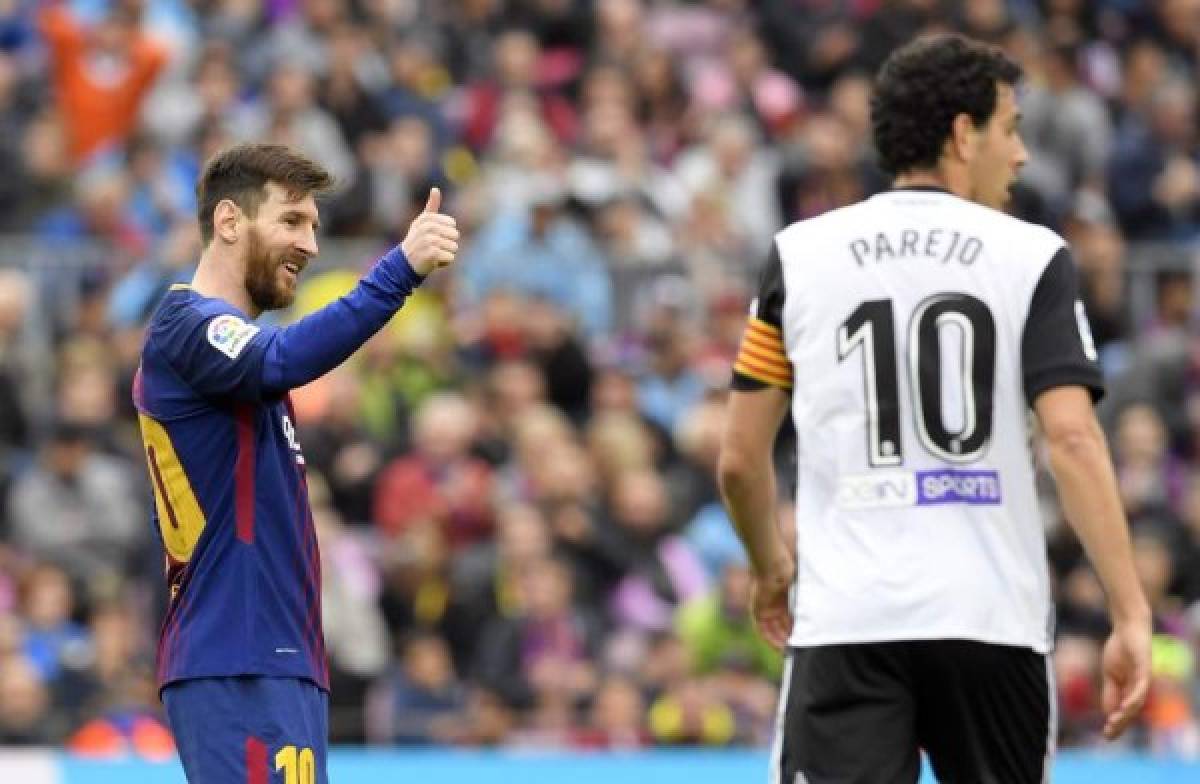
[
  {"x": 156, "y": 475},
  {"x": 256, "y": 761}
]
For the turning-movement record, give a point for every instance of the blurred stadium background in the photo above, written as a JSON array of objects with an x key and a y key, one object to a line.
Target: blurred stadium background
[{"x": 523, "y": 545}]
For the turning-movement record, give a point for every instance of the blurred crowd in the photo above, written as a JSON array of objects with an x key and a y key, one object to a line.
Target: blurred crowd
[{"x": 513, "y": 482}]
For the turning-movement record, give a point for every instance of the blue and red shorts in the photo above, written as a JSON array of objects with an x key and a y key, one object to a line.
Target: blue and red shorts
[{"x": 249, "y": 729}]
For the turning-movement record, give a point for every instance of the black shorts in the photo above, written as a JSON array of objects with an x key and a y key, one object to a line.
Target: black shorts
[{"x": 861, "y": 714}]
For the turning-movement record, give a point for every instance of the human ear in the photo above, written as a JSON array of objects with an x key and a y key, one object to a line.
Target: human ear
[
  {"x": 226, "y": 221},
  {"x": 963, "y": 136}
]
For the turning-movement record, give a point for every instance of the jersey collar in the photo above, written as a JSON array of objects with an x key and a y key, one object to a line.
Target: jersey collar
[{"x": 920, "y": 188}]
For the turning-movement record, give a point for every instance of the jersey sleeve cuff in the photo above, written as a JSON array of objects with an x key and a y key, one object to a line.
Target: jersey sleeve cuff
[
  {"x": 400, "y": 271},
  {"x": 1041, "y": 381},
  {"x": 743, "y": 382}
]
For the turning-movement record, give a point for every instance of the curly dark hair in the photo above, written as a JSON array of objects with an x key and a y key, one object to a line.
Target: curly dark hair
[{"x": 923, "y": 86}]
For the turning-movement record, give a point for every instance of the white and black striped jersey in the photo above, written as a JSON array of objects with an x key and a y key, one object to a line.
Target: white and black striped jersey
[{"x": 914, "y": 330}]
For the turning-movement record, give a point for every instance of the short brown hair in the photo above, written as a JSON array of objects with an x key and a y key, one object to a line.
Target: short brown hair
[{"x": 241, "y": 174}]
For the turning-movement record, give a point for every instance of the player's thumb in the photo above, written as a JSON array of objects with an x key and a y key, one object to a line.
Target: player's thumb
[{"x": 434, "y": 202}]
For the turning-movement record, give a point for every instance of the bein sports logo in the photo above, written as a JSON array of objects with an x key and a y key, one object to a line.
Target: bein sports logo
[
  {"x": 881, "y": 490},
  {"x": 958, "y": 487},
  {"x": 892, "y": 489}
]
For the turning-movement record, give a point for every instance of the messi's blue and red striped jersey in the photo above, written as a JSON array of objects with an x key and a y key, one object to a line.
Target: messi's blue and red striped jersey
[{"x": 231, "y": 501}]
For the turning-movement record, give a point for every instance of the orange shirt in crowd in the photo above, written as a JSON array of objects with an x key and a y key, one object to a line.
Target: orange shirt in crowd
[{"x": 98, "y": 108}]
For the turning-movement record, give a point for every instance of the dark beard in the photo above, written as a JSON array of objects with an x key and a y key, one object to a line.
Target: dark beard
[{"x": 262, "y": 278}]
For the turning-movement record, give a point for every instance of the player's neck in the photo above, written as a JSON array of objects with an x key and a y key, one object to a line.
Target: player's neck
[
  {"x": 220, "y": 277},
  {"x": 943, "y": 177}
]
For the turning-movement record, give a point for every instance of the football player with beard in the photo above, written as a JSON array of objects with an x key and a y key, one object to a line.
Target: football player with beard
[{"x": 241, "y": 659}]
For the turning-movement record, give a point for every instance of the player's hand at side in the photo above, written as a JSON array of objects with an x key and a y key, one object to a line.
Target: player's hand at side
[
  {"x": 432, "y": 239},
  {"x": 771, "y": 604},
  {"x": 1126, "y": 666}
]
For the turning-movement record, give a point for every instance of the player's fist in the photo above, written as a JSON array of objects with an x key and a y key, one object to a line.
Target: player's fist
[{"x": 432, "y": 239}]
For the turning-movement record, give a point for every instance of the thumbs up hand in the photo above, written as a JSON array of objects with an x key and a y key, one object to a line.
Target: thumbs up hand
[{"x": 432, "y": 239}]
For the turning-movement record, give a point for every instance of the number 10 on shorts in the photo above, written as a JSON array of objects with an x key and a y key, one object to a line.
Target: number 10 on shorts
[{"x": 299, "y": 766}]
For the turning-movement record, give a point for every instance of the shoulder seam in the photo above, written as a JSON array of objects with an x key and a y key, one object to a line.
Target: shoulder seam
[{"x": 170, "y": 362}]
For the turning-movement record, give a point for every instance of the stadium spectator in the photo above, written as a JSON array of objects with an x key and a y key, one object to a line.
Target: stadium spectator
[
  {"x": 102, "y": 73},
  {"x": 616, "y": 720},
  {"x": 440, "y": 482},
  {"x": 421, "y": 703},
  {"x": 489, "y": 574},
  {"x": 1153, "y": 180},
  {"x": 419, "y": 593},
  {"x": 211, "y": 93},
  {"x": 359, "y": 641},
  {"x": 513, "y": 79},
  {"x": 542, "y": 251},
  {"x": 113, "y": 695},
  {"x": 719, "y": 632},
  {"x": 288, "y": 113},
  {"x": 690, "y": 715},
  {"x": 24, "y": 705},
  {"x": 1066, "y": 126},
  {"x": 1101, "y": 254},
  {"x": 77, "y": 507},
  {"x": 1187, "y": 557},
  {"x": 51, "y": 637},
  {"x": 658, "y": 571},
  {"x": 1149, "y": 477},
  {"x": 16, "y": 293},
  {"x": 544, "y": 653},
  {"x": 337, "y": 444}
]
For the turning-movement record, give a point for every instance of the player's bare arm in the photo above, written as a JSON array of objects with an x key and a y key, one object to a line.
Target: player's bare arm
[
  {"x": 747, "y": 479},
  {"x": 1088, "y": 489}
]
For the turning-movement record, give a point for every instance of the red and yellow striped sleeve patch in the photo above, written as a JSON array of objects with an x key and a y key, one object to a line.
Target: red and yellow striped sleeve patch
[{"x": 762, "y": 356}]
